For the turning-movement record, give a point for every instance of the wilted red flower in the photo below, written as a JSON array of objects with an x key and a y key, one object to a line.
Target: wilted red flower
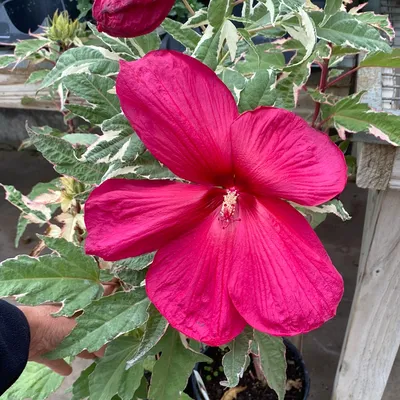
[
  {"x": 231, "y": 251},
  {"x": 130, "y": 18}
]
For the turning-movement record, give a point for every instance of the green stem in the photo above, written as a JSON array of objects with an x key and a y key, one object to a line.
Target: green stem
[{"x": 262, "y": 28}]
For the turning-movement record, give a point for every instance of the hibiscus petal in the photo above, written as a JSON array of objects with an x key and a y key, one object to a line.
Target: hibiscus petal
[
  {"x": 182, "y": 112},
  {"x": 126, "y": 218},
  {"x": 188, "y": 283},
  {"x": 283, "y": 282},
  {"x": 276, "y": 152}
]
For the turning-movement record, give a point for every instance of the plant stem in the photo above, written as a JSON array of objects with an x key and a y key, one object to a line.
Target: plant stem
[
  {"x": 322, "y": 123},
  {"x": 322, "y": 87},
  {"x": 192, "y": 12},
  {"x": 262, "y": 28},
  {"x": 188, "y": 7},
  {"x": 257, "y": 366},
  {"x": 339, "y": 78}
]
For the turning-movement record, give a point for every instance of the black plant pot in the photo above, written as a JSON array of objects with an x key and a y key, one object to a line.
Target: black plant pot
[{"x": 290, "y": 349}]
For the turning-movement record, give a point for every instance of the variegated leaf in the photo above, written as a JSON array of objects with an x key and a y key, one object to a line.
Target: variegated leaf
[
  {"x": 102, "y": 105},
  {"x": 346, "y": 30},
  {"x": 69, "y": 277},
  {"x": 188, "y": 37},
  {"x": 118, "y": 143},
  {"x": 83, "y": 60},
  {"x": 350, "y": 114}
]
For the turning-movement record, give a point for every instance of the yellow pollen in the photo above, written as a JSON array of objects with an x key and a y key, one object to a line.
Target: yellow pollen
[{"x": 228, "y": 206}]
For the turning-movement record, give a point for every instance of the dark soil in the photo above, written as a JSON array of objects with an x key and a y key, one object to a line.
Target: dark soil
[{"x": 212, "y": 376}]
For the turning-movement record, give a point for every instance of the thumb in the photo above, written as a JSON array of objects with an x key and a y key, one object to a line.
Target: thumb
[{"x": 59, "y": 366}]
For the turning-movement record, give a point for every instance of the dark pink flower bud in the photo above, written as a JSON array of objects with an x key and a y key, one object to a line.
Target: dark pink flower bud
[{"x": 130, "y": 18}]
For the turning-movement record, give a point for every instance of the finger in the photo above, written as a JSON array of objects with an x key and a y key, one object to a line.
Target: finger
[
  {"x": 109, "y": 288},
  {"x": 100, "y": 353},
  {"x": 58, "y": 366},
  {"x": 86, "y": 355}
]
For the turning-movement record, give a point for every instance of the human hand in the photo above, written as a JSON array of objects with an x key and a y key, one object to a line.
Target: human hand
[{"x": 47, "y": 332}]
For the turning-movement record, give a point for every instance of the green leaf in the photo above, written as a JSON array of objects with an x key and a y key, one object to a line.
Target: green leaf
[
  {"x": 5, "y": 61},
  {"x": 273, "y": 7},
  {"x": 144, "y": 167},
  {"x": 119, "y": 142},
  {"x": 155, "y": 329},
  {"x": 136, "y": 263},
  {"x": 258, "y": 91},
  {"x": 261, "y": 57},
  {"x": 237, "y": 359},
  {"x": 26, "y": 48},
  {"x": 111, "y": 376},
  {"x": 25, "y": 219},
  {"x": 265, "y": 15},
  {"x": 83, "y": 60},
  {"x": 217, "y": 11},
  {"x": 80, "y": 139},
  {"x": 381, "y": 22},
  {"x": 209, "y": 48},
  {"x": 103, "y": 320},
  {"x": 287, "y": 88},
  {"x": 80, "y": 388},
  {"x": 319, "y": 97},
  {"x": 130, "y": 278},
  {"x": 234, "y": 80},
  {"x": 71, "y": 277},
  {"x": 349, "y": 114},
  {"x": 146, "y": 43},
  {"x": 346, "y": 30},
  {"x": 381, "y": 59},
  {"x": 37, "y": 76},
  {"x": 291, "y": 5},
  {"x": 334, "y": 73},
  {"x": 331, "y": 8},
  {"x": 273, "y": 361},
  {"x": 199, "y": 18},
  {"x": 83, "y": 6},
  {"x": 304, "y": 32},
  {"x": 171, "y": 372},
  {"x": 120, "y": 46},
  {"x": 339, "y": 53},
  {"x": 229, "y": 34},
  {"x": 35, "y": 212},
  {"x": 37, "y": 382},
  {"x": 44, "y": 187},
  {"x": 22, "y": 224},
  {"x": 61, "y": 153},
  {"x": 316, "y": 215},
  {"x": 141, "y": 392},
  {"x": 95, "y": 89},
  {"x": 188, "y": 37}
]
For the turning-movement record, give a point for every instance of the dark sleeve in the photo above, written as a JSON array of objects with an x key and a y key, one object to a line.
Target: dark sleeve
[{"x": 14, "y": 344}]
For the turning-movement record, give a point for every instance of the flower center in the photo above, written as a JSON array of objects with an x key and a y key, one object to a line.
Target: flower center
[{"x": 228, "y": 209}]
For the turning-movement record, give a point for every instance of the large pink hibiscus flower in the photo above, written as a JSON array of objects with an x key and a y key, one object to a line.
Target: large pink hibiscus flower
[{"x": 230, "y": 249}]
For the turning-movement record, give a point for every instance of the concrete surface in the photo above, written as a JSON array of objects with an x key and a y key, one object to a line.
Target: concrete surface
[
  {"x": 12, "y": 127},
  {"x": 342, "y": 240}
]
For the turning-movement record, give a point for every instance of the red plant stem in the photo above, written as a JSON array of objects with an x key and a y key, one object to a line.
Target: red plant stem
[
  {"x": 339, "y": 78},
  {"x": 322, "y": 123},
  {"x": 322, "y": 87},
  {"x": 258, "y": 368}
]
